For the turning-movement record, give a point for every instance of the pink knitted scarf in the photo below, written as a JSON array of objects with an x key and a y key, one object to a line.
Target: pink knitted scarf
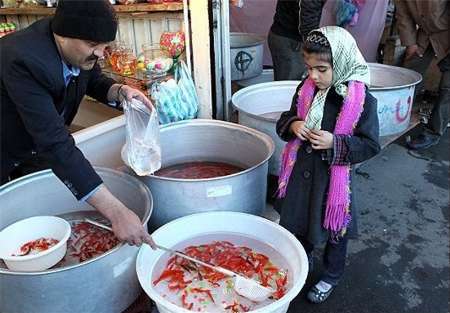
[{"x": 337, "y": 215}]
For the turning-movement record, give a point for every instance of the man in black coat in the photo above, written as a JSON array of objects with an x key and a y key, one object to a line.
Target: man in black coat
[
  {"x": 292, "y": 22},
  {"x": 46, "y": 69}
]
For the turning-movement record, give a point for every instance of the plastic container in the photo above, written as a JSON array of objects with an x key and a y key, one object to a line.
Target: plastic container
[
  {"x": 197, "y": 225},
  {"x": 23, "y": 231}
]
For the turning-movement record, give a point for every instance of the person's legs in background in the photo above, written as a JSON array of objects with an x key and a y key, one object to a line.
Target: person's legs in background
[
  {"x": 439, "y": 116},
  {"x": 287, "y": 57},
  {"x": 420, "y": 65}
]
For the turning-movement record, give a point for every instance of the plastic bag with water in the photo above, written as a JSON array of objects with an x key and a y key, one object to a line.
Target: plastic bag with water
[{"x": 142, "y": 151}]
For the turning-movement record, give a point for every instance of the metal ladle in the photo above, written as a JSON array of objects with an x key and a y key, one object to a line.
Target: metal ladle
[{"x": 244, "y": 286}]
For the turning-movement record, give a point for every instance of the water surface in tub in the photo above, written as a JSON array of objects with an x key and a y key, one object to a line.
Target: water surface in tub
[
  {"x": 199, "y": 170},
  {"x": 223, "y": 298}
]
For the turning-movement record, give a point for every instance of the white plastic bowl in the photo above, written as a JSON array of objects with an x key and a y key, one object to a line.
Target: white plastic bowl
[
  {"x": 23, "y": 231},
  {"x": 196, "y": 225}
]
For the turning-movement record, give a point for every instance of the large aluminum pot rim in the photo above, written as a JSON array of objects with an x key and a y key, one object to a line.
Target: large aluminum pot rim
[
  {"x": 263, "y": 86},
  {"x": 35, "y": 176},
  {"x": 257, "y": 40},
  {"x": 208, "y": 122},
  {"x": 415, "y": 77}
]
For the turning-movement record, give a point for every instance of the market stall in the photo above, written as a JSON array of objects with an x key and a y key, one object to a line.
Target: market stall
[{"x": 207, "y": 166}]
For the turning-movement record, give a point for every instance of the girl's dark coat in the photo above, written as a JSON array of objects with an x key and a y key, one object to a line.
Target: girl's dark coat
[{"x": 303, "y": 208}]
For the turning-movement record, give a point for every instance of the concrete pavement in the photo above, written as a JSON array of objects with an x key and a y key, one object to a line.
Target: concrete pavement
[{"x": 400, "y": 263}]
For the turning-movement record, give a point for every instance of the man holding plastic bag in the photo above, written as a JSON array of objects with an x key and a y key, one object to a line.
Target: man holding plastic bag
[{"x": 46, "y": 69}]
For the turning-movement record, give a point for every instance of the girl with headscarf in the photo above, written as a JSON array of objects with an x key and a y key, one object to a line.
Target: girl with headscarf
[{"x": 332, "y": 124}]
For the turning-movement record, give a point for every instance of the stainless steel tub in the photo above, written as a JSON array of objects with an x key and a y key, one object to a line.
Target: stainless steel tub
[
  {"x": 106, "y": 284},
  {"x": 394, "y": 89},
  {"x": 260, "y": 105},
  {"x": 211, "y": 140},
  {"x": 246, "y": 55}
]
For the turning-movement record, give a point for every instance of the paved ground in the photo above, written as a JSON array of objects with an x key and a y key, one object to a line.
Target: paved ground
[{"x": 400, "y": 263}]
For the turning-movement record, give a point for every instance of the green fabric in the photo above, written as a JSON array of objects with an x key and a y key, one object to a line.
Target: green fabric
[{"x": 348, "y": 65}]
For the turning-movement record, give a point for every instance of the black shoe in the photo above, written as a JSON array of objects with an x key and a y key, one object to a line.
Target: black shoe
[
  {"x": 316, "y": 296},
  {"x": 424, "y": 141}
]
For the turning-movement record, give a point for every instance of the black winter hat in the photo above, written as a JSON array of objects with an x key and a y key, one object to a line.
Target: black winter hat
[{"x": 93, "y": 20}]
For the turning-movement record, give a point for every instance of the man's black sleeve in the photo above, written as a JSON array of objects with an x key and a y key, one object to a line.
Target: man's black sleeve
[{"x": 29, "y": 88}]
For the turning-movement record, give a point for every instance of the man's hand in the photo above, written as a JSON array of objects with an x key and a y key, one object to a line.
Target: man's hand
[
  {"x": 126, "y": 224},
  {"x": 321, "y": 139},
  {"x": 128, "y": 93},
  {"x": 128, "y": 227},
  {"x": 413, "y": 50},
  {"x": 299, "y": 129},
  {"x": 119, "y": 92}
]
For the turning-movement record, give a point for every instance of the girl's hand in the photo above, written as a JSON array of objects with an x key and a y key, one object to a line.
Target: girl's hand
[
  {"x": 299, "y": 129},
  {"x": 321, "y": 139}
]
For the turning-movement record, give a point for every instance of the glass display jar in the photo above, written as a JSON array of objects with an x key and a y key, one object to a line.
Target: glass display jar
[
  {"x": 126, "y": 62},
  {"x": 121, "y": 58},
  {"x": 153, "y": 61}
]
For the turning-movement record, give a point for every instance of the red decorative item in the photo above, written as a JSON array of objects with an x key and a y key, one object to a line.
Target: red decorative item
[{"x": 173, "y": 43}]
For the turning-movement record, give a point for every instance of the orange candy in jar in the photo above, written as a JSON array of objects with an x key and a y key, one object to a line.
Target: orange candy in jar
[
  {"x": 126, "y": 62},
  {"x": 122, "y": 59},
  {"x": 112, "y": 55}
]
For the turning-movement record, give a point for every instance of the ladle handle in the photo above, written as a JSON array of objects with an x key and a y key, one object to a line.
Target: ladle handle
[
  {"x": 185, "y": 256},
  {"x": 88, "y": 220},
  {"x": 179, "y": 253}
]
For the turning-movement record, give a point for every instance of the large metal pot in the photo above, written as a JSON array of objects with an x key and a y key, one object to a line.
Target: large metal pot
[
  {"x": 260, "y": 105},
  {"x": 210, "y": 140},
  {"x": 394, "y": 89},
  {"x": 105, "y": 284},
  {"x": 246, "y": 55}
]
